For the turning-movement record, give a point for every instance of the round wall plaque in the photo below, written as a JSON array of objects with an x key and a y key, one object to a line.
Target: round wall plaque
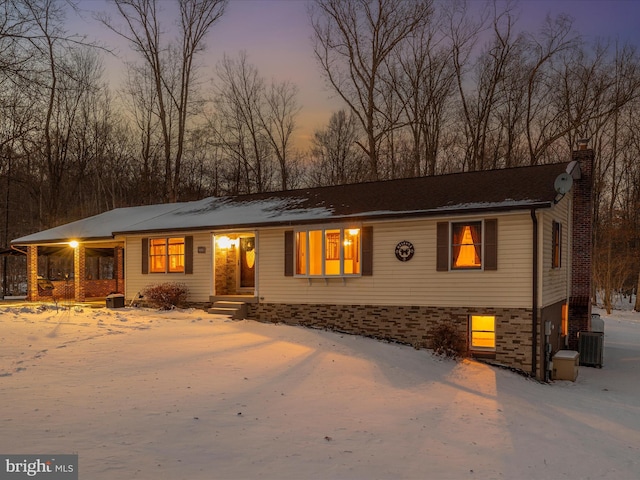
[{"x": 404, "y": 251}]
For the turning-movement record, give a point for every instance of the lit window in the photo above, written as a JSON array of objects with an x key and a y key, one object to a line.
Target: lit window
[
  {"x": 466, "y": 246},
  {"x": 330, "y": 252},
  {"x": 352, "y": 251},
  {"x": 556, "y": 246},
  {"x": 301, "y": 253},
  {"x": 483, "y": 332},
  {"x": 564, "y": 327},
  {"x": 166, "y": 255}
]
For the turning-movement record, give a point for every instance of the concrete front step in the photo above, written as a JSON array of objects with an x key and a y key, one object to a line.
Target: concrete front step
[{"x": 235, "y": 310}]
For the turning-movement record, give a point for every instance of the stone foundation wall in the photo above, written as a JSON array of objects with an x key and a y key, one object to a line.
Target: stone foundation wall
[{"x": 413, "y": 325}]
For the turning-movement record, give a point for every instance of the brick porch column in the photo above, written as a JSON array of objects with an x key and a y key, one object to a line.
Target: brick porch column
[
  {"x": 32, "y": 273},
  {"x": 582, "y": 245},
  {"x": 79, "y": 273},
  {"x": 118, "y": 253}
]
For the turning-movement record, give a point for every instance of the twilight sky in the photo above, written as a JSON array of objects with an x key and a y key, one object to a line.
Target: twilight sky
[{"x": 277, "y": 38}]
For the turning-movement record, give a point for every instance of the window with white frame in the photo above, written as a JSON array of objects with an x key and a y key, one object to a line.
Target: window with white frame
[
  {"x": 166, "y": 255},
  {"x": 482, "y": 332},
  {"x": 328, "y": 252},
  {"x": 467, "y": 245}
]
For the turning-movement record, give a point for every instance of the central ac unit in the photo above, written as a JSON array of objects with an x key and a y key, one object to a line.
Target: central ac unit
[{"x": 591, "y": 348}]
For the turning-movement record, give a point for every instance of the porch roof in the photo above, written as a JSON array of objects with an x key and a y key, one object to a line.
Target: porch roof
[{"x": 470, "y": 192}]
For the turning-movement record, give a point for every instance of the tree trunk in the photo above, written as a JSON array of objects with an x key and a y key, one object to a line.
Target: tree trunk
[{"x": 637, "y": 305}]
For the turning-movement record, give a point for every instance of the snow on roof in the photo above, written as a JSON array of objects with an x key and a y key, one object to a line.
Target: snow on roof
[
  {"x": 99, "y": 226},
  {"x": 221, "y": 212},
  {"x": 514, "y": 188},
  {"x": 209, "y": 212}
]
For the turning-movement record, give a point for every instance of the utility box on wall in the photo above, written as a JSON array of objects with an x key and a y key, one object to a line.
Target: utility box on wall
[{"x": 565, "y": 365}]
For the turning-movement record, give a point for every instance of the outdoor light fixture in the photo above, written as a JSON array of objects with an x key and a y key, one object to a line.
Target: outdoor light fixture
[
  {"x": 73, "y": 244},
  {"x": 225, "y": 242}
]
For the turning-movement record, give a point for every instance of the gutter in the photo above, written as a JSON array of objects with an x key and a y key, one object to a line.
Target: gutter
[{"x": 534, "y": 294}]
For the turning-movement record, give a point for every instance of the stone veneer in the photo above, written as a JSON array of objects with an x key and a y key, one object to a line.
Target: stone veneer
[
  {"x": 225, "y": 269},
  {"x": 408, "y": 324}
]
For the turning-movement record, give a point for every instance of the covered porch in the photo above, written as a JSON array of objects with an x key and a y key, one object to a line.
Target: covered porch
[{"x": 74, "y": 271}]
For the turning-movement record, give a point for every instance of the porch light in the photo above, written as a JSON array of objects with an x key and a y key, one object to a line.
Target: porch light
[
  {"x": 73, "y": 244},
  {"x": 224, "y": 242}
]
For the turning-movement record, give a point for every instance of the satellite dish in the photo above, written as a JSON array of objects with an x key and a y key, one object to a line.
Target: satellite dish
[{"x": 563, "y": 183}]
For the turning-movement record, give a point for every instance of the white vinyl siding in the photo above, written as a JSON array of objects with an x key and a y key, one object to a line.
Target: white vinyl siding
[
  {"x": 555, "y": 281},
  {"x": 199, "y": 283},
  {"x": 415, "y": 282}
]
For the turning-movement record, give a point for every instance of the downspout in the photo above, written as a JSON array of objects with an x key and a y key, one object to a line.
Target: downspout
[{"x": 534, "y": 302}]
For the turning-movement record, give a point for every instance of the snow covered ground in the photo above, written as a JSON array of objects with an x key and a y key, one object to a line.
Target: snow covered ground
[{"x": 141, "y": 394}]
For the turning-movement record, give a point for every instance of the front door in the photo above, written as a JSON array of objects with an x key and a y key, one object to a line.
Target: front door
[{"x": 247, "y": 264}]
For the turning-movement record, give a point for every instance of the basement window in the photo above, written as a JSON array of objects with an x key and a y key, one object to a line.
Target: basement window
[{"x": 482, "y": 330}]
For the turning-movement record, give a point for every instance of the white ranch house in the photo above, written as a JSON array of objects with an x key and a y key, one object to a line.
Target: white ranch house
[{"x": 500, "y": 254}]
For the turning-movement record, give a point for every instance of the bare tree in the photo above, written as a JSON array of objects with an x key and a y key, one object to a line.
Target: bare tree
[
  {"x": 353, "y": 40},
  {"x": 279, "y": 124},
  {"x": 140, "y": 97},
  {"x": 171, "y": 65},
  {"x": 238, "y": 123},
  {"x": 424, "y": 80},
  {"x": 16, "y": 28},
  {"x": 557, "y": 39},
  {"x": 336, "y": 159},
  {"x": 63, "y": 70},
  {"x": 254, "y": 122},
  {"x": 478, "y": 104}
]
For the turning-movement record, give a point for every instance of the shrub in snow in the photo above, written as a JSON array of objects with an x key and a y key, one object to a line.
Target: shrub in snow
[
  {"x": 166, "y": 296},
  {"x": 448, "y": 341}
]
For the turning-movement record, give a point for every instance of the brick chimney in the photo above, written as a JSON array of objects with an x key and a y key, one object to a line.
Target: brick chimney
[{"x": 582, "y": 245}]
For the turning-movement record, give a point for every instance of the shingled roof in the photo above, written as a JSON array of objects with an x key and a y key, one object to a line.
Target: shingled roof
[{"x": 470, "y": 192}]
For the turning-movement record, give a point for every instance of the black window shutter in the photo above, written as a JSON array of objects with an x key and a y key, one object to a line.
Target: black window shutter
[
  {"x": 188, "y": 255},
  {"x": 288, "y": 253},
  {"x": 145, "y": 256},
  {"x": 367, "y": 251},
  {"x": 442, "y": 247},
  {"x": 491, "y": 244}
]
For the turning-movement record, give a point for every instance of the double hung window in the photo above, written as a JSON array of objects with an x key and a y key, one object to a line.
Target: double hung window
[
  {"x": 466, "y": 245},
  {"x": 482, "y": 332},
  {"x": 471, "y": 245},
  {"x": 328, "y": 252},
  {"x": 166, "y": 255}
]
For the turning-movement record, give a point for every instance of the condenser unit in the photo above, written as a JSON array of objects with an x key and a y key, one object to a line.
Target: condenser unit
[{"x": 591, "y": 348}]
